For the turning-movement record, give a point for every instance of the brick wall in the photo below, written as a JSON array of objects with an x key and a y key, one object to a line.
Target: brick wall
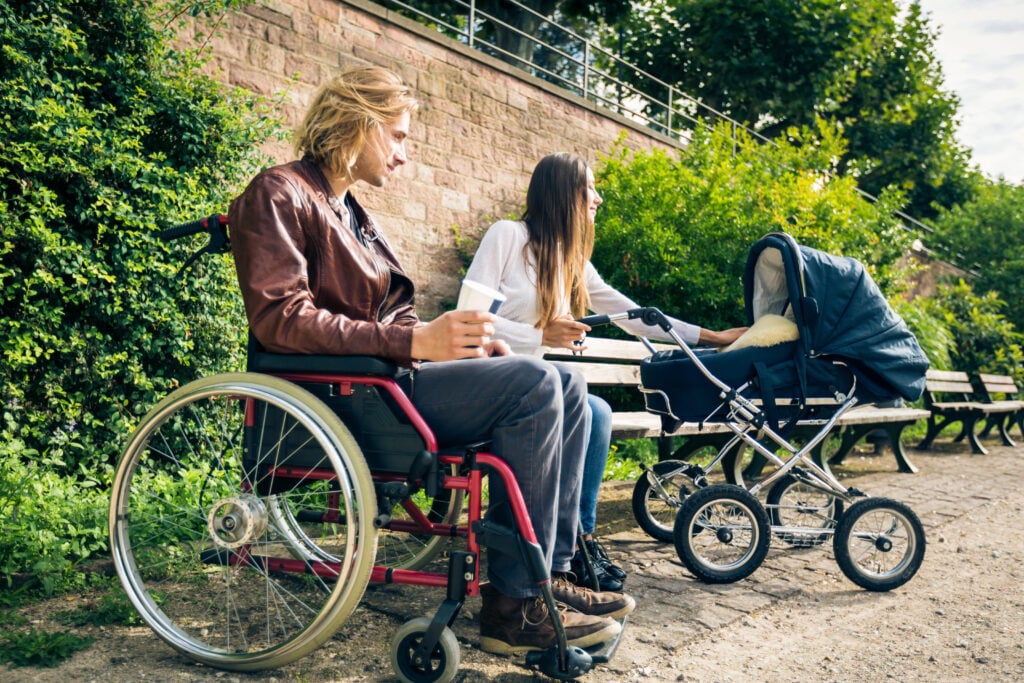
[{"x": 481, "y": 128}]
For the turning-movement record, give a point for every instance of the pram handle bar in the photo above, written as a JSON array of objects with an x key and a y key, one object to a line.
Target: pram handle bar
[{"x": 650, "y": 316}]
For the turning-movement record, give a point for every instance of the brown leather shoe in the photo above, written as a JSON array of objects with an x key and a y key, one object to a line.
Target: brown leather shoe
[
  {"x": 510, "y": 626},
  {"x": 607, "y": 604}
]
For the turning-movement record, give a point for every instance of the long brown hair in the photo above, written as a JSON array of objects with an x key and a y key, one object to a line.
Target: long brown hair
[{"x": 561, "y": 234}]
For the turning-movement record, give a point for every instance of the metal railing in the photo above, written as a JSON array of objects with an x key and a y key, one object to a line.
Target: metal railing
[{"x": 587, "y": 70}]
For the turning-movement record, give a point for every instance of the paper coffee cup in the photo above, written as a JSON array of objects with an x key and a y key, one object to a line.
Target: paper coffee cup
[{"x": 477, "y": 297}]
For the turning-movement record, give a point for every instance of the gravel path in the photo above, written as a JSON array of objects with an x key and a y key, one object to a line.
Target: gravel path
[{"x": 797, "y": 618}]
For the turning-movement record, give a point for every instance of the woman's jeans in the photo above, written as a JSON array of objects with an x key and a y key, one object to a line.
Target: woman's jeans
[{"x": 595, "y": 460}]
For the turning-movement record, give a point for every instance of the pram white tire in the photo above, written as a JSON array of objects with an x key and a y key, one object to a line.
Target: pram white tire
[
  {"x": 802, "y": 515},
  {"x": 879, "y": 544},
  {"x": 655, "y": 511},
  {"x": 722, "y": 533},
  {"x": 441, "y": 666},
  {"x": 200, "y": 547}
]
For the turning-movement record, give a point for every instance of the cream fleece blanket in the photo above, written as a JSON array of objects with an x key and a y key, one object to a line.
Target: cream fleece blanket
[{"x": 768, "y": 330}]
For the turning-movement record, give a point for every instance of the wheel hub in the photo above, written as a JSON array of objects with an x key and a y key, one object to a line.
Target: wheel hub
[
  {"x": 237, "y": 521},
  {"x": 724, "y": 535},
  {"x": 883, "y": 543}
]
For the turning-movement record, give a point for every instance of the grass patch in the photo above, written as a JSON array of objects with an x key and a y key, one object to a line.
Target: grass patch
[
  {"x": 627, "y": 459},
  {"x": 41, "y": 648},
  {"x": 110, "y": 608}
]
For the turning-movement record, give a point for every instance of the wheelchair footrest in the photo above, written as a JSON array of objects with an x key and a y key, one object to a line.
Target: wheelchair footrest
[{"x": 602, "y": 652}]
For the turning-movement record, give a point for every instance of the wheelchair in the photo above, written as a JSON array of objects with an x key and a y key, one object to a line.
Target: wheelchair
[{"x": 250, "y": 511}]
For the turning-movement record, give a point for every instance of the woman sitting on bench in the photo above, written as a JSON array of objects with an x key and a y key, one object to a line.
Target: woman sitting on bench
[{"x": 541, "y": 263}]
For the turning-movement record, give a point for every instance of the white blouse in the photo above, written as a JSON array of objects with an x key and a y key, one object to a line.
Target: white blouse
[{"x": 503, "y": 262}]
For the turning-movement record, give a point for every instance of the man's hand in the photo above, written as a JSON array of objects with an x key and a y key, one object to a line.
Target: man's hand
[
  {"x": 565, "y": 333},
  {"x": 456, "y": 334}
]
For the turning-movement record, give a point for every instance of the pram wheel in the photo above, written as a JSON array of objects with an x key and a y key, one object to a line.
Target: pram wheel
[
  {"x": 798, "y": 511},
  {"x": 241, "y": 521},
  {"x": 440, "y": 667},
  {"x": 722, "y": 533},
  {"x": 657, "y": 496},
  {"x": 879, "y": 544}
]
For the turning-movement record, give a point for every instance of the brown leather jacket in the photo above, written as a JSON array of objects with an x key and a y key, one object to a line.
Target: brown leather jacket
[{"x": 309, "y": 283}]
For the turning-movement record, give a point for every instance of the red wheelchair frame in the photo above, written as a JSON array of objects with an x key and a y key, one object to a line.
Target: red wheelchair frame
[{"x": 241, "y": 527}]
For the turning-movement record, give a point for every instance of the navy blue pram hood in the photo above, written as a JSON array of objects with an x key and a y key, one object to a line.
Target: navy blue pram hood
[{"x": 838, "y": 309}]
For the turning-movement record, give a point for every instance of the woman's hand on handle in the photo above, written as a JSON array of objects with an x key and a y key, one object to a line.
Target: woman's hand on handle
[{"x": 565, "y": 333}]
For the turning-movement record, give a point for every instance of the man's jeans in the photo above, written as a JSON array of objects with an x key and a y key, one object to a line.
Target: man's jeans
[{"x": 535, "y": 414}]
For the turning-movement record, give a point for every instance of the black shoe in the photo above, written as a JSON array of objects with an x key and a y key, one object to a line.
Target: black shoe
[
  {"x": 600, "y": 557},
  {"x": 580, "y": 574}
]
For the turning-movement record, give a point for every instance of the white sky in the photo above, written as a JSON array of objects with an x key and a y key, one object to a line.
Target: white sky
[{"x": 981, "y": 48}]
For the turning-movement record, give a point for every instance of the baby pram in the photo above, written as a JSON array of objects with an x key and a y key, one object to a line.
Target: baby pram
[{"x": 848, "y": 348}]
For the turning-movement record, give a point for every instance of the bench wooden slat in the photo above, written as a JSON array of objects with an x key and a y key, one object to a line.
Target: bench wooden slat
[
  {"x": 874, "y": 414},
  {"x": 942, "y": 387},
  {"x": 999, "y": 385},
  {"x": 947, "y": 376},
  {"x": 641, "y": 424},
  {"x": 612, "y": 350},
  {"x": 608, "y": 374}
]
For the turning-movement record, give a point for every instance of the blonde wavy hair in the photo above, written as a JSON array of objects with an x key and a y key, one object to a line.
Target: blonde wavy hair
[
  {"x": 561, "y": 236},
  {"x": 345, "y": 110}
]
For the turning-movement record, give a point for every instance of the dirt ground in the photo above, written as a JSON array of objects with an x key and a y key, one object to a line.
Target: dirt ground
[{"x": 796, "y": 618}]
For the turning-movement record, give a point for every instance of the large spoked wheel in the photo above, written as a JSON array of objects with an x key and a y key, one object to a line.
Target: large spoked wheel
[
  {"x": 722, "y": 533},
  {"x": 442, "y": 664},
  {"x": 657, "y": 496},
  {"x": 399, "y": 544},
  {"x": 802, "y": 515},
  {"x": 241, "y": 521},
  {"x": 879, "y": 544}
]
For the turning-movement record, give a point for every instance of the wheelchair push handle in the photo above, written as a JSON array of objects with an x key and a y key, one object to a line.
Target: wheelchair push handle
[{"x": 215, "y": 226}]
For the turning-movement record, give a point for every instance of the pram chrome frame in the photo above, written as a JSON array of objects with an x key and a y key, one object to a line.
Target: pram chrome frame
[{"x": 747, "y": 421}]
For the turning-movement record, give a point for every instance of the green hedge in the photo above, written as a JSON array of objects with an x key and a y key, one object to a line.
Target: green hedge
[
  {"x": 108, "y": 136},
  {"x": 675, "y": 230}
]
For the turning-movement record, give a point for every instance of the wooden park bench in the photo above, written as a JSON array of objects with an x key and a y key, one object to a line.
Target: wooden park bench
[
  {"x": 1000, "y": 391},
  {"x": 609, "y": 362},
  {"x": 951, "y": 398}
]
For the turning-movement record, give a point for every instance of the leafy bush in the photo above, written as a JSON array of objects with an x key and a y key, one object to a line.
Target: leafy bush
[
  {"x": 986, "y": 234},
  {"x": 984, "y": 340},
  {"x": 109, "y": 136},
  {"x": 48, "y": 520}
]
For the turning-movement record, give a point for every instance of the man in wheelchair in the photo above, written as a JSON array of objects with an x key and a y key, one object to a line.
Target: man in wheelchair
[{"x": 318, "y": 277}]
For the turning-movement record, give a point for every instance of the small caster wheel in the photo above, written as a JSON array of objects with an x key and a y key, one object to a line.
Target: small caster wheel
[{"x": 442, "y": 664}]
